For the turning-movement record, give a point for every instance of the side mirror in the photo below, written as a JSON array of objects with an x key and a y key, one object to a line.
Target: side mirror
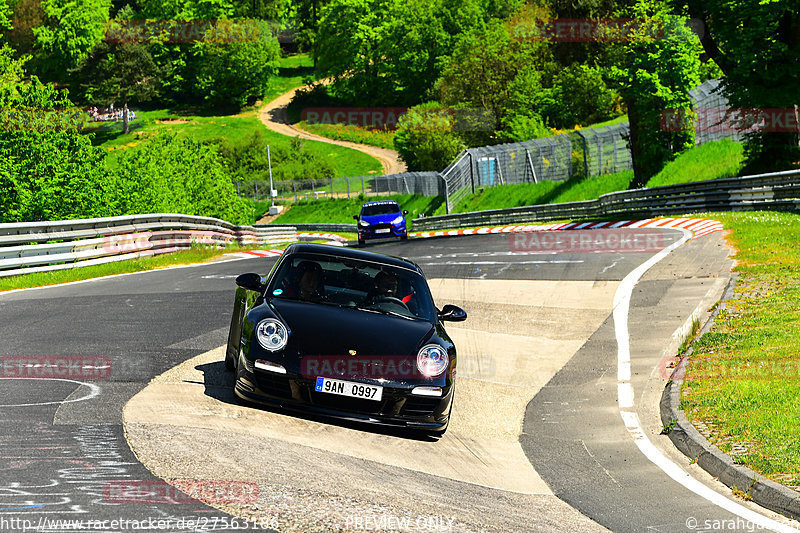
[
  {"x": 250, "y": 281},
  {"x": 405, "y": 211},
  {"x": 355, "y": 217},
  {"x": 452, "y": 313}
]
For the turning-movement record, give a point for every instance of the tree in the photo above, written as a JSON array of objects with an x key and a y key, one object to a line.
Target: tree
[
  {"x": 234, "y": 74},
  {"x": 757, "y": 46},
  {"x": 71, "y": 30},
  {"x": 654, "y": 68},
  {"x": 113, "y": 72},
  {"x": 5, "y": 15},
  {"x": 495, "y": 72},
  {"x": 425, "y": 138}
]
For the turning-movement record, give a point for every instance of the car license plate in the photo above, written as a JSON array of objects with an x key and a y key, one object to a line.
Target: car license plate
[
  {"x": 348, "y": 388},
  {"x": 382, "y": 230}
]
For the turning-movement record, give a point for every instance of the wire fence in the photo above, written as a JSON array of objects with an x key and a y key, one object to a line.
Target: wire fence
[
  {"x": 422, "y": 183},
  {"x": 588, "y": 152}
]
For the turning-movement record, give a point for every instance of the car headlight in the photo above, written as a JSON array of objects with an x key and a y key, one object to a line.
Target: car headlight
[
  {"x": 362, "y": 224},
  {"x": 432, "y": 360},
  {"x": 398, "y": 220},
  {"x": 272, "y": 334}
]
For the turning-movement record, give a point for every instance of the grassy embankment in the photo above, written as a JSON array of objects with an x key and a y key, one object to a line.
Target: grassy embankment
[
  {"x": 743, "y": 379},
  {"x": 720, "y": 159},
  {"x": 234, "y": 128}
]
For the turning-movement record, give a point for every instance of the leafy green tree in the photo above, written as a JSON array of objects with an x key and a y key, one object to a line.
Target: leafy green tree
[
  {"x": 71, "y": 29},
  {"x": 171, "y": 174},
  {"x": 234, "y": 74},
  {"x": 425, "y": 137},
  {"x": 5, "y": 15},
  {"x": 491, "y": 70},
  {"x": 118, "y": 72},
  {"x": 653, "y": 73},
  {"x": 757, "y": 46}
]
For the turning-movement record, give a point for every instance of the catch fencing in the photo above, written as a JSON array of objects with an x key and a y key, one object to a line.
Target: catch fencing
[
  {"x": 30, "y": 247},
  {"x": 587, "y": 152},
  {"x": 776, "y": 191},
  {"x": 422, "y": 183}
]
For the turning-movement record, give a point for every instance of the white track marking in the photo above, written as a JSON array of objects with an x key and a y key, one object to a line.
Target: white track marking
[
  {"x": 625, "y": 397},
  {"x": 94, "y": 391}
]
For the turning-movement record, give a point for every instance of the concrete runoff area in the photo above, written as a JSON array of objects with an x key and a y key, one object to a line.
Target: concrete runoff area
[{"x": 500, "y": 371}]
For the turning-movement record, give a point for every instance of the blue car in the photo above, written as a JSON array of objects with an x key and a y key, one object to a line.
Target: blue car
[{"x": 381, "y": 219}]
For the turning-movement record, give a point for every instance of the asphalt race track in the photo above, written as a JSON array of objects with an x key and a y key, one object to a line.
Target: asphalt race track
[{"x": 537, "y": 441}]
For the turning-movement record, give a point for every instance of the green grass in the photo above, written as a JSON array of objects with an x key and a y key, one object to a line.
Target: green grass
[
  {"x": 350, "y": 133},
  {"x": 713, "y": 160},
  {"x": 198, "y": 254},
  {"x": 744, "y": 375},
  {"x": 341, "y": 210},
  {"x": 720, "y": 159},
  {"x": 544, "y": 192},
  {"x": 609, "y": 122},
  {"x": 235, "y": 128}
]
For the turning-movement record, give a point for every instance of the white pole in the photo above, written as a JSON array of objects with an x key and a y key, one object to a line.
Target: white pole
[{"x": 269, "y": 162}]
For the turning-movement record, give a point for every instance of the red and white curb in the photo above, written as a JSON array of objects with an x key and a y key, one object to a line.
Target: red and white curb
[
  {"x": 256, "y": 253},
  {"x": 697, "y": 226}
]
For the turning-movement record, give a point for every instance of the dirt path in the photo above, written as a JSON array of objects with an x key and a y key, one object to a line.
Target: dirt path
[{"x": 274, "y": 117}]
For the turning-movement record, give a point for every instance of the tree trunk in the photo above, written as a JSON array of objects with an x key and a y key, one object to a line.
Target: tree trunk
[{"x": 639, "y": 177}]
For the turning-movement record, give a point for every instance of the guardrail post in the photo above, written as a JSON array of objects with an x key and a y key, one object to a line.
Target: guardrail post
[
  {"x": 362, "y": 184},
  {"x": 256, "y": 185},
  {"x": 313, "y": 190},
  {"x": 347, "y": 183},
  {"x": 294, "y": 190},
  {"x": 331, "y": 186}
]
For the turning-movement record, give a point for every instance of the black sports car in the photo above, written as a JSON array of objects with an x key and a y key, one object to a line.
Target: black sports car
[{"x": 344, "y": 333}]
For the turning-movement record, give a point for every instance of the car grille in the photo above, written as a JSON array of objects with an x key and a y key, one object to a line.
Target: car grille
[
  {"x": 274, "y": 384},
  {"x": 420, "y": 406}
]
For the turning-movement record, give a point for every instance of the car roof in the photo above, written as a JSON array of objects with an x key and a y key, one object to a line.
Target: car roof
[
  {"x": 352, "y": 253},
  {"x": 379, "y": 202}
]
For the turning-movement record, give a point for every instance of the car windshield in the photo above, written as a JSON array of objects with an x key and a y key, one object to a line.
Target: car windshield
[
  {"x": 369, "y": 286},
  {"x": 379, "y": 209}
]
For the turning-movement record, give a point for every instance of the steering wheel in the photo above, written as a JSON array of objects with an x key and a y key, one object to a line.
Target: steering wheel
[{"x": 391, "y": 300}]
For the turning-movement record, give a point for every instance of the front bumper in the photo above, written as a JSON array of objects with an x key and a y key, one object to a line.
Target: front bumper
[
  {"x": 398, "y": 407},
  {"x": 379, "y": 231}
]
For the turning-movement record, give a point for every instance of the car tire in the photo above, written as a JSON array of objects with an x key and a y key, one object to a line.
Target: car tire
[
  {"x": 404, "y": 237},
  {"x": 360, "y": 242}
]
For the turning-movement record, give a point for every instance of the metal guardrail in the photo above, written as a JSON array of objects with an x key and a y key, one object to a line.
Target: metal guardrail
[
  {"x": 780, "y": 190},
  {"x": 331, "y": 228},
  {"x": 29, "y": 247}
]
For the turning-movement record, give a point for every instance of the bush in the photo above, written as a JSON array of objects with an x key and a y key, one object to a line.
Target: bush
[
  {"x": 248, "y": 160},
  {"x": 425, "y": 138},
  {"x": 171, "y": 174},
  {"x": 234, "y": 74},
  {"x": 50, "y": 176}
]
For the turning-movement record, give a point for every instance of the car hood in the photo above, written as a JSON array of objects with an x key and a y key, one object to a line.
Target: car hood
[
  {"x": 318, "y": 329},
  {"x": 380, "y": 219}
]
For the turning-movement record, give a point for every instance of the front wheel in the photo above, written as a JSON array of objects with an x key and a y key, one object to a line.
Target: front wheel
[
  {"x": 360, "y": 242},
  {"x": 404, "y": 237}
]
